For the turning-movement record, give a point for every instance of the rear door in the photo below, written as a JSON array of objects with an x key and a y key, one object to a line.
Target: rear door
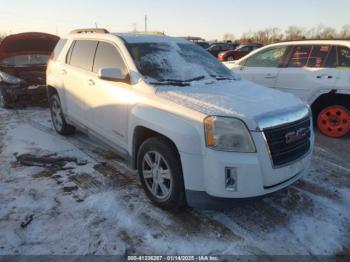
[
  {"x": 263, "y": 67},
  {"x": 78, "y": 72},
  {"x": 307, "y": 73},
  {"x": 109, "y": 100}
]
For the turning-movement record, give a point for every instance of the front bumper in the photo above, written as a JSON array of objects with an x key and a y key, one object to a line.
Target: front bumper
[
  {"x": 22, "y": 94},
  {"x": 205, "y": 176}
]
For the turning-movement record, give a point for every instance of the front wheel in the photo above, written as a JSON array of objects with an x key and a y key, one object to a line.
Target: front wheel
[
  {"x": 57, "y": 117},
  {"x": 334, "y": 121},
  {"x": 160, "y": 173}
]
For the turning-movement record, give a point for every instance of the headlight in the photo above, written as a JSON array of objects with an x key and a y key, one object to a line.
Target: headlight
[
  {"x": 4, "y": 77},
  {"x": 228, "y": 134}
]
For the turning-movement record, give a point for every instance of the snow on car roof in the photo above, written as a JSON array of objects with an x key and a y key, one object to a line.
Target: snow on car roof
[{"x": 147, "y": 38}]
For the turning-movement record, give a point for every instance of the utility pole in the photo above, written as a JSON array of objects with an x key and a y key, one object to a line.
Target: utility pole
[{"x": 146, "y": 20}]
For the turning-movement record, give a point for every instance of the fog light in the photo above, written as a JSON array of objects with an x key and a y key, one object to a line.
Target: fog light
[{"x": 231, "y": 178}]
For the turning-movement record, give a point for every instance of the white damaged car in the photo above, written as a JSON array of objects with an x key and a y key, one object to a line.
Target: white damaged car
[{"x": 196, "y": 133}]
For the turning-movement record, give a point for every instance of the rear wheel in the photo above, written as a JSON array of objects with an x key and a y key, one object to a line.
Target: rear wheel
[
  {"x": 57, "y": 117},
  {"x": 161, "y": 174},
  {"x": 334, "y": 121}
]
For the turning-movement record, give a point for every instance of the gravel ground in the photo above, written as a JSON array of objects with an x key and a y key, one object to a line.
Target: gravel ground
[{"x": 95, "y": 205}]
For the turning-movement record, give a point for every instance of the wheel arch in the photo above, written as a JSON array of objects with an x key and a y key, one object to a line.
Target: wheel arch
[
  {"x": 330, "y": 98},
  {"x": 141, "y": 134}
]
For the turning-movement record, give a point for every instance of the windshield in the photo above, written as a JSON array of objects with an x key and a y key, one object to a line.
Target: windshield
[
  {"x": 176, "y": 62},
  {"x": 24, "y": 60}
]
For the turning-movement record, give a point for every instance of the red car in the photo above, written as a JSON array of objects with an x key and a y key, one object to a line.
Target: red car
[
  {"x": 238, "y": 53},
  {"x": 23, "y": 61}
]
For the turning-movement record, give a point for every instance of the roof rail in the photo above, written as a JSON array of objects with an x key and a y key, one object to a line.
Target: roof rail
[{"x": 90, "y": 31}]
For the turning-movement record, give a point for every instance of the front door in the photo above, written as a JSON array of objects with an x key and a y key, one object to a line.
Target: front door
[{"x": 263, "y": 67}]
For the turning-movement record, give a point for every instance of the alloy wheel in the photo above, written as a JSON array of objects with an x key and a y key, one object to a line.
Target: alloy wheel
[
  {"x": 157, "y": 175},
  {"x": 56, "y": 113}
]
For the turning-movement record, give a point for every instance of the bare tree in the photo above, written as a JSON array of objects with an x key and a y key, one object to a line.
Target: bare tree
[
  {"x": 295, "y": 33},
  {"x": 345, "y": 32},
  {"x": 275, "y": 34},
  {"x": 229, "y": 37}
]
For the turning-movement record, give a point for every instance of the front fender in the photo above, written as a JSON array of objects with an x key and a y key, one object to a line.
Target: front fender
[{"x": 186, "y": 134}]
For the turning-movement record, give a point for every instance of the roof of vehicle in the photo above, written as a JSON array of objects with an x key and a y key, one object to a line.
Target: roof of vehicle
[
  {"x": 134, "y": 37},
  {"x": 148, "y": 38},
  {"x": 314, "y": 42}
]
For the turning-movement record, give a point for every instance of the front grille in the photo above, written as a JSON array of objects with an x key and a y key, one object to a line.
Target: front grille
[{"x": 289, "y": 142}]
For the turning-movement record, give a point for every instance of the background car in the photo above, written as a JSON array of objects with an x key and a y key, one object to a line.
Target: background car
[
  {"x": 239, "y": 52},
  {"x": 317, "y": 71},
  {"x": 217, "y": 48},
  {"x": 23, "y": 61}
]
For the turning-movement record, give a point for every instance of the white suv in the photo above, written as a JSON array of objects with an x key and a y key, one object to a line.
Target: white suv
[
  {"x": 196, "y": 133},
  {"x": 316, "y": 71}
]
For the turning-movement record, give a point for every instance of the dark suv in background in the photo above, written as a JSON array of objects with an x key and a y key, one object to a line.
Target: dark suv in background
[
  {"x": 23, "y": 61},
  {"x": 217, "y": 48}
]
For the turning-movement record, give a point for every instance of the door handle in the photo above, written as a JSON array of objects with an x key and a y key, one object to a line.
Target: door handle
[
  {"x": 330, "y": 77},
  {"x": 270, "y": 76},
  {"x": 91, "y": 82}
]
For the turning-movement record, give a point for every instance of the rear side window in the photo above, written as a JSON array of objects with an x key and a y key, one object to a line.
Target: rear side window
[
  {"x": 83, "y": 54},
  {"x": 300, "y": 56},
  {"x": 56, "y": 52},
  {"x": 267, "y": 58},
  {"x": 107, "y": 56},
  {"x": 318, "y": 56},
  {"x": 344, "y": 56}
]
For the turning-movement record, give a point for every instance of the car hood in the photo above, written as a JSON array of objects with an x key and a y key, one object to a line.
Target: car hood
[
  {"x": 237, "y": 98},
  {"x": 27, "y": 43}
]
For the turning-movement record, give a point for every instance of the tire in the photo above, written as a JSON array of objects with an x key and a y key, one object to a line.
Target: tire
[
  {"x": 334, "y": 121},
  {"x": 162, "y": 180},
  {"x": 4, "y": 99},
  {"x": 58, "y": 119}
]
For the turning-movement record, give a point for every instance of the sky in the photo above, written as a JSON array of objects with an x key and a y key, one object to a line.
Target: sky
[{"x": 205, "y": 18}]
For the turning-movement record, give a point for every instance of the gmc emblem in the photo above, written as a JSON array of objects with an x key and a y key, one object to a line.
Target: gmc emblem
[{"x": 295, "y": 136}]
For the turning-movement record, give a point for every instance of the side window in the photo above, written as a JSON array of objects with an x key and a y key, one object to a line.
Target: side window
[
  {"x": 214, "y": 48},
  {"x": 83, "y": 54},
  {"x": 107, "y": 56},
  {"x": 343, "y": 56},
  {"x": 267, "y": 58},
  {"x": 59, "y": 46},
  {"x": 332, "y": 58},
  {"x": 318, "y": 56},
  {"x": 245, "y": 49},
  {"x": 300, "y": 56}
]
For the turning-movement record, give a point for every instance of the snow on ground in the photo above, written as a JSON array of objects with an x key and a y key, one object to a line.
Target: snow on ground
[{"x": 100, "y": 208}]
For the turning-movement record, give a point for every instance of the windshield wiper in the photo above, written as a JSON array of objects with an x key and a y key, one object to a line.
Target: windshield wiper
[
  {"x": 177, "y": 82},
  {"x": 222, "y": 77},
  {"x": 170, "y": 83}
]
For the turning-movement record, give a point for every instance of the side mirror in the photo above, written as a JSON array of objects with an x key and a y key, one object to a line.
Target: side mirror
[{"x": 113, "y": 74}]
